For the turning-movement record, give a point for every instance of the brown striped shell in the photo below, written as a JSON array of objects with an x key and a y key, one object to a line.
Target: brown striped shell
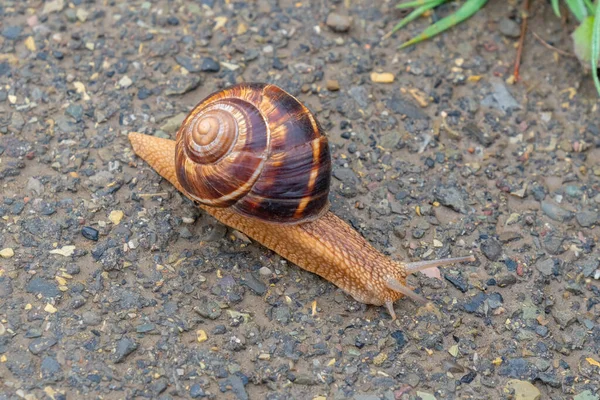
[{"x": 255, "y": 148}]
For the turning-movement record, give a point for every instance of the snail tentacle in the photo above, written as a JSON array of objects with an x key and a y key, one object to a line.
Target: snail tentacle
[
  {"x": 395, "y": 285},
  {"x": 390, "y": 307},
  {"x": 414, "y": 267}
]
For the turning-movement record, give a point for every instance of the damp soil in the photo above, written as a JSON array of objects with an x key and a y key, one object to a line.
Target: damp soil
[{"x": 113, "y": 285}]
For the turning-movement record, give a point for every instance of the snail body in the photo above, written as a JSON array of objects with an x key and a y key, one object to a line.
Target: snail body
[{"x": 257, "y": 160}]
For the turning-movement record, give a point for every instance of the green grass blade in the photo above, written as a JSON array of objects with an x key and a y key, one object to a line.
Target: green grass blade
[
  {"x": 469, "y": 8},
  {"x": 590, "y": 6},
  {"x": 416, "y": 13},
  {"x": 578, "y": 9},
  {"x": 414, "y": 4},
  {"x": 596, "y": 46},
  {"x": 556, "y": 8}
]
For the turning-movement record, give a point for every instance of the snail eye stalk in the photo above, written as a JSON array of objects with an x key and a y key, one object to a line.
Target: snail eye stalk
[{"x": 411, "y": 268}]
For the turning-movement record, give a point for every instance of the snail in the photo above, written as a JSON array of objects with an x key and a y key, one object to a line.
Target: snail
[{"x": 256, "y": 159}]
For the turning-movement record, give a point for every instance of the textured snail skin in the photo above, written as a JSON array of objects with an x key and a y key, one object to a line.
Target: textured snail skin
[{"x": 327, "y": 246}]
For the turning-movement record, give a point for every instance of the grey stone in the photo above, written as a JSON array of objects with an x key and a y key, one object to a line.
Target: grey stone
[
  {"x": 586, "y": 395},
  {"x": 91, "y": 318},
  {"x": 553, "y": 243},
  {"x": 208, "y": 309},
  {"x": 563, "y": 315},
  {"x": 452, "y": 197},
  {"x": 34, "y": 186},
  {"x": 182, "y": 84},
  {"x": 587, "y": 219},
  {"x": 39, "y": 345},
  {"x": 124, "y": 347},
  {"x": 345, "y": 175},
  {"x": 237, "y": 387},
  {"x": 209, "y": 65},
  {"x": 12, "y": 32},
  {"x": 145, "y": 328},
  {"x": 51, "y": 369},
  {"x": 191, "y": 64},
  {"x": 483, "y": 137},
  {"x": 588, "y": 266},
  {"x": 502, "y": 98},
  {"x": 518, "y": 368},
  {"x": 401, "y": 106},
  {"x": 509, "y": 28},
  {"x": 338, "y": 23},
  {"x": 282, "y": 315},
  {"x": 75, "y": 111},
  {"x": 256, "y": 285},
  {"x": 492, "y": 249},
  {"x": 196, "y": 391},
  {"x": 555, "y": 212},
  {"x": 506, "y": 280},
  {"x": 41, "y": 286},
  {"x": 546, "y": 267}
]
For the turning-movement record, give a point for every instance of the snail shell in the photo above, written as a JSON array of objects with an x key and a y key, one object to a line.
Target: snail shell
[{"x": 256, "y": 149}]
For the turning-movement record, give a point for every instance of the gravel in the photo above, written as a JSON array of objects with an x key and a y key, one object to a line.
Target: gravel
[{"x": 114, "y": 285}]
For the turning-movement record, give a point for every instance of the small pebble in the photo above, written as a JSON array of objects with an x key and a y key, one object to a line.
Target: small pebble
[
  {"x": 41, "y": 344},
  {"x": 383, "y": 77},
  {"x": 7, "y": 252},
  {"x": 90, "y": 233},
  {"x": 509, "y": 28},
  {"x": 333, "y": 85},
  {"x": 125, "y": 82},
  {"x": 586, "y": 395},
  {"x": 492, "y": 249},
  {"x": 81, "y": 14},
  {"x": 587, "y": 219},
  {"x": 124, "y": 348},
  {"x": 65, "y": 251},
  {"x": 12, "y": 32},
  {"x": 116, "y": 216},
  {"x": 196, "y": 391},
  {"x": 555, "y": 212},
  {"x": 49, "y": 308},
  {"x": 425, "y": 396},
  {"x": 338, "y": 23},
  {"x": 523, "y": 390},
  {"x": 265, "y": 271},
  {"x": 209, "y": 65},
  {"x": 201, "y": 336},
  {"x": 506, "y": 280}
]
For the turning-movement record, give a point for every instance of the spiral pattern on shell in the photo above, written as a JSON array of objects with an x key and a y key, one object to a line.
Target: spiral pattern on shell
[{"x": 257, "y": 149}]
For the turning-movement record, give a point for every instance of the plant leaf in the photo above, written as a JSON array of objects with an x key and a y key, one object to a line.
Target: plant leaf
[
  {"x": 414, "y": 4},
  {"x": 596, "y": 46},
  {"x": 416, "y": 13},
  {"x": 578, "y": 9},
  {"x": 469, "y": 8},
  {"x": 556, "y": 8},
  {"x": 582, "y": 41}
]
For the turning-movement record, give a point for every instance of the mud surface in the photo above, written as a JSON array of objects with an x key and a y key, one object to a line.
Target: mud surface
[{"x": 112, "y": 285}]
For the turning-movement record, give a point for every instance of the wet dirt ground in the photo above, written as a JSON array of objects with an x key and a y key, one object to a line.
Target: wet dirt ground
[{"x": 112, "y": 285}]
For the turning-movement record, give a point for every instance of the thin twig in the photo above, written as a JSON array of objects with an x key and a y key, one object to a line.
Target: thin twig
[
  {"x": 525, "y": 17},
  {"x": 153, "y": 194},
  {"x": 549, "y": 46}
]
